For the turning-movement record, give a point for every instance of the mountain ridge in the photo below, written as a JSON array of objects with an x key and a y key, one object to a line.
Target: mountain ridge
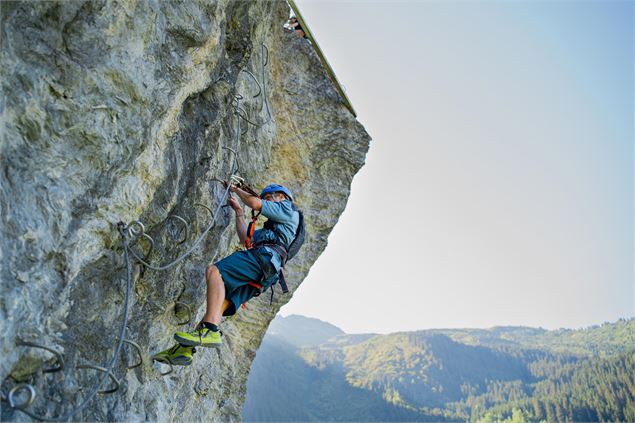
[{"x": 465, "y": 374}]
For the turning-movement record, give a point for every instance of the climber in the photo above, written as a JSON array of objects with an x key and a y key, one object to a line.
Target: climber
[
  {"x": 295, "y": 25},
  {"x": 234, "y": 280}
]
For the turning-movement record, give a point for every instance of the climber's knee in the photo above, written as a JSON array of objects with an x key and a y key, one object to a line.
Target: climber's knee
[{"x": 212, "y": 274}]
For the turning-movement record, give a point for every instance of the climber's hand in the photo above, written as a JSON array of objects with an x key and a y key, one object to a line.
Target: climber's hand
[{"x": 233, "y": 203}]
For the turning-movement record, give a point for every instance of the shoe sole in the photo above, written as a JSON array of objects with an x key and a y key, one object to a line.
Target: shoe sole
[
  {"x": 176, "y": 361},
  {"x": 192, "y": 343}
]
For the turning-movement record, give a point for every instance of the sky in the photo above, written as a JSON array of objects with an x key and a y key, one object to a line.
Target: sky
[{"x": 498, "y": 188}]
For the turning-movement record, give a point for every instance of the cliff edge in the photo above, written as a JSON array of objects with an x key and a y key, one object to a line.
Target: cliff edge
[{"x": 132, "y": 111}]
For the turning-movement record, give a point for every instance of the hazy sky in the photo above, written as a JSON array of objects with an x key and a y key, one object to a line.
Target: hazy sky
[{"x": 498, "y": 189}]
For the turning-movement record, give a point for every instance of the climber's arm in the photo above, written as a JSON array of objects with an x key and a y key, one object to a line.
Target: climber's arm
[
  {"x": 241, "y": 225},
  {"x": 250, "y": 200}
]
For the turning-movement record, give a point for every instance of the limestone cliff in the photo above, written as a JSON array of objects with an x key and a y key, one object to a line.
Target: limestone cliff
[{"x": 132, "y": 111}]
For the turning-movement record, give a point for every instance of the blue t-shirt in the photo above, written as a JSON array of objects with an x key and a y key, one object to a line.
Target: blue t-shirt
[{"x": 285, "y": 221}]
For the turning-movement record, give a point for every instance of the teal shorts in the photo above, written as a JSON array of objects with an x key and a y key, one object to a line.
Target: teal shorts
[{"x": 237, "y": 270}]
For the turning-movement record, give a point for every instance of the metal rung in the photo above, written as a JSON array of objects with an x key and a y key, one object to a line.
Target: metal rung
[
  {"x": 174, "y": 232},
  {"x": 189, "y": 312},
  {"x": 57, "y": 355},
  {"x": 21, "y": 387},
  {"x": 103, "y": 370},
  {"x": 138, "y": 349}
]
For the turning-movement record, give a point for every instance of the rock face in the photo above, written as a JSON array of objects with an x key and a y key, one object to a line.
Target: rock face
[{"x": 127, "y": 110}]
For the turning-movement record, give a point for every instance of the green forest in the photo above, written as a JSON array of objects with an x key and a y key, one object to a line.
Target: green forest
[{"x": 511, "y": 374}]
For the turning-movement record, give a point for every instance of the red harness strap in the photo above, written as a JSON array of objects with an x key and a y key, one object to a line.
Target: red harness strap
[
  {"x": 255, "y": 285},
  {"x": 251, "y": 229},
  {"x": 249, "y": 244}
]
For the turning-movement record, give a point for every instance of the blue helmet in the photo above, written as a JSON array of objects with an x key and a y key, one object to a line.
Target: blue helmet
[{"x": 276, "y": 188}]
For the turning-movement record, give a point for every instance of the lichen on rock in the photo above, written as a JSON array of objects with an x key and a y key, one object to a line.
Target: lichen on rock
[{"x": 122, "y": 111}]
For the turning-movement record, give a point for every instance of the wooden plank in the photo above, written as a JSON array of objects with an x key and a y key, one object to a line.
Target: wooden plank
[{"x": 325, "y": 62}]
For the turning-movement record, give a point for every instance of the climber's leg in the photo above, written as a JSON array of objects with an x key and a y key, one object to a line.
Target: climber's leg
[
  {"x": 207, "y": 334},
  {"x": 216, "y": 302}
]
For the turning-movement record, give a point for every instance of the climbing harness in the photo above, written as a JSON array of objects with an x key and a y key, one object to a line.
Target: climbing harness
[
  {"x": 178, "y": 229},
  {"x": 251, "y": 228},
  {"x": 286, "y": 253}
]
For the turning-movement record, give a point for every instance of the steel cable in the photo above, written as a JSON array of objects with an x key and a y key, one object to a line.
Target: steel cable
[
  {"x": 221, "y": 203},
  {"x": 125, "y": 232},
  {"x": 122, "y": 334},
  {"x": 264, "y": 60}
]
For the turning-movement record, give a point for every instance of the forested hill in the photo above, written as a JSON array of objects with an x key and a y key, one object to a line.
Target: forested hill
[
  {"x": 472, "y": 374},
  {"x": 602, "y": 340}
]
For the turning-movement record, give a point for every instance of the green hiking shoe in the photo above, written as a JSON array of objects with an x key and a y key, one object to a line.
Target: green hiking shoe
[
  {"x": 177, "y": 355},
  {"x": 199, "y": 337}
]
